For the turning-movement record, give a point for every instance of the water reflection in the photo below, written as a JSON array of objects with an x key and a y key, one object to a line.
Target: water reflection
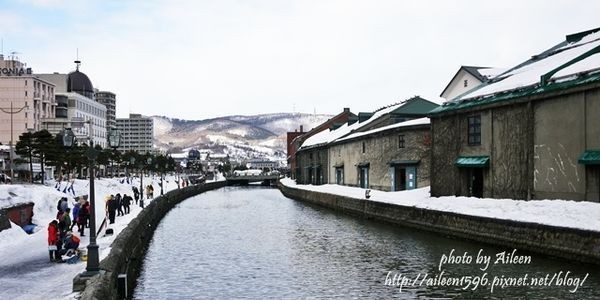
[{"x": 253, "y": 243}]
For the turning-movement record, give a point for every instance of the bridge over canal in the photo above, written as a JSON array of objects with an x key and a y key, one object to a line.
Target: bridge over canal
[{"x": 264, "y": 179}]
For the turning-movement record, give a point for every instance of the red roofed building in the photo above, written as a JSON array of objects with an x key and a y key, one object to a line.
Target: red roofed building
[{"x": 296, "y": 138}]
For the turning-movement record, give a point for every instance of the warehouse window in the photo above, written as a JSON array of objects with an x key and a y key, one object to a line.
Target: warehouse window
[{"x": 474, "y": 130}]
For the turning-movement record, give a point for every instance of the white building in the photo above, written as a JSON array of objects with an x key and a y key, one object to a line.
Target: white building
[
  {"x": 86, "y": 109},
  {"x": 78, "y": 90},
  {"x": 137, "y": 133},
  {"x": 467, "y": 78},
  {"x": 261, "y": 164}
]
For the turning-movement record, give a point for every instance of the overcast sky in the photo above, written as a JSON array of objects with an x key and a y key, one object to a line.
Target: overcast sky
[{"x": 201, "y": 59}]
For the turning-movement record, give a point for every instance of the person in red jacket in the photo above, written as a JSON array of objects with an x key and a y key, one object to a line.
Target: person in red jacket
[{"x": 53, "y": 240}]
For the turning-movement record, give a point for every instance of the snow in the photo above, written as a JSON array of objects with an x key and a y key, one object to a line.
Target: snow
[
  {"x": 25, "y": 270},
  {"x": 586, "y": 39},
  {"x": 561, "y": 213},
  {"x": 491, "y": 72},
  {"x": 328, "y": 136},
  {"x": 588, "y": 64},
  {"x": 530, "y": 74},
  {"x": 161, "y": 125},
  {"x": 181, "y": 155},
  {"x": 420, "y": 121}
]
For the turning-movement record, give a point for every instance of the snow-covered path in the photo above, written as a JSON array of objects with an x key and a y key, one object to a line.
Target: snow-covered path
[
  {"x": 25, "y": 269},
  {"x": 561, "y": 213}
]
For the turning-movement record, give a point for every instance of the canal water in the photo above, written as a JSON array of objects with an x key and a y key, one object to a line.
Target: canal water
[{"x": 254, "y": 243}]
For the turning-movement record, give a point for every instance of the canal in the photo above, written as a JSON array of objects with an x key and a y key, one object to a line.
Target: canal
[{"x": 254, "y": 243}]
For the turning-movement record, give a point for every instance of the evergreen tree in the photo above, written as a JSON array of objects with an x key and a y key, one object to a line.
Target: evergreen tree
[
  {"x": 43, "y": 144},
  {"x": 24, "y": 148}
]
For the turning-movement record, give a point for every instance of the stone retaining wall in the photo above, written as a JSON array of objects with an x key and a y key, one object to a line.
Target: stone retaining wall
[
  {"x": 572, "y": 244},
  {"x": 128, "y": 249}
]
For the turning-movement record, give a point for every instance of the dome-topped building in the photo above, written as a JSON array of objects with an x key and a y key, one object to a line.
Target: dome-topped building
[
  {"x": 77, "y": 92},
  {"x": 79, "y": 83}
]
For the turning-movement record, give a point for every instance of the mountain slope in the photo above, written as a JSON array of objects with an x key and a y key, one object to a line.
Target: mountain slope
[{"x": 242, "y": 137}]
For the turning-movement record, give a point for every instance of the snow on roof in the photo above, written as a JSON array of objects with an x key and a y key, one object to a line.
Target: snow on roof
[
  {"x": 530, "y": 72},
  {"x": 591, "y": 63},
  {"x": 328, "y": 136},
  {"x": 491, "y": 72},
  {"x": 420, "y": 121}
]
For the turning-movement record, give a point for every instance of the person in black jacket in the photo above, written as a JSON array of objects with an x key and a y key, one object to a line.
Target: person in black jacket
[
  {"x": 111, "y": 204},
  {"x": 119, "y": 200},
  {"x": 136, "y": 194},
  {"x": 127, "y": 202}
]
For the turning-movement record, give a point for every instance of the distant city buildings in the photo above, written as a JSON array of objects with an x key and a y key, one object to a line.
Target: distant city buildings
[
  {"x": 137, "y": 133},
  {"x": 24, "y": 99},
  {"x": 109, "y": 99}
]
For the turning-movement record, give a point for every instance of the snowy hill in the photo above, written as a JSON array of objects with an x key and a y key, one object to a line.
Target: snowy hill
[{"x": 242, "y": 137}]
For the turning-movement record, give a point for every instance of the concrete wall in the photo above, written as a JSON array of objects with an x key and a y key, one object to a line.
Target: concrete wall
[
  {"x": 572, "y": 244},
  {"x": 380, "y": 150},
  {"x": 446, "y": 135},
  {"x": 566, "y": 126},
  {"x": 559, "y": 141},
  {"x": 128, "y": 249},
  {"x": 510, "y": 153}
]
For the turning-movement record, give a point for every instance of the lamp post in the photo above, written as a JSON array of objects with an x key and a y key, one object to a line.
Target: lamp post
[
  {"x": 141, "y": 165},
  {"x": 93, "y": 262},
  {"x": 160, "y": 168},
  {"x": 114, "y": 140},
  {"x": 11, "y": 111},
  {"x": 131, "y": 166}
]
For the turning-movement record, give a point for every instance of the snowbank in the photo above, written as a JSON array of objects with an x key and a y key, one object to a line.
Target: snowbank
[
  {"x": 25, "y": 270},
  {"x": 561, "y": 213}
]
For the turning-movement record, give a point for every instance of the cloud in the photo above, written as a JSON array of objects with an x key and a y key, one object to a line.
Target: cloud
[{"x": 197, "y": 59}]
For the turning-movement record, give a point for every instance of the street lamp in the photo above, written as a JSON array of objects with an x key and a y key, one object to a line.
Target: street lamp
[
  {"x": 114, "y": 140},
  {"x": 141, "y": 165},
  {"x": 11, "y": 111},
  {"x": 131, "y": 165},
  {"x": 93, "y": 262}
]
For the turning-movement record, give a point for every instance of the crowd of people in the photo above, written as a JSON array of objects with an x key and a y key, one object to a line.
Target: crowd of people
[
  {"x": 61, "y": 240},
  {"x": 117, "y": 205}
]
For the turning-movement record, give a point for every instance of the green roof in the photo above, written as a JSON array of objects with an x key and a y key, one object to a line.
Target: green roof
[
  {"x": 590, "y": 157},
  {"x": 519, "y": 81},
  {"x": 416, "y": 106},
  {"x": 514, "y": 94},
  {"x": 472, "y": 161}
]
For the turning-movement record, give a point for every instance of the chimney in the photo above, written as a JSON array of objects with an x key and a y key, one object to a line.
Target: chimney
[
  {"x": 346, "y": 109},
  {"x": 301, "y": 128}
]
